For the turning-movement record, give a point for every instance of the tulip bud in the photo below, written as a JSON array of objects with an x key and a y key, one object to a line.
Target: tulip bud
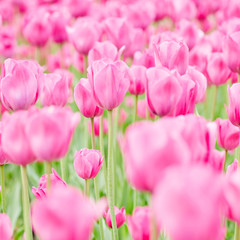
[{"x": 120, "y": 216}]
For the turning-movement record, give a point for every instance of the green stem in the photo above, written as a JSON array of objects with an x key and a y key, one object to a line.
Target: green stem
[
  {"x": 153, "y": 229},
  {"x": 63, "y": 169},
  {"x": 225, "y": 163},
  {"x": 214, "y": 102},
  {"x": 26, "y": 204},
  {"x": 92, "y": 133},
  {"x": 85, "y": 187},
  {"x": 237, "y": 232},
  {"x": 85, "y": 64},
  {"x": 102, "y": 151},
  {"x": 86, "y": 135},
  {"x": 3, "y": 189},
  {"x": 110, "y": 177},
  {"x": 48, "y": 170}
]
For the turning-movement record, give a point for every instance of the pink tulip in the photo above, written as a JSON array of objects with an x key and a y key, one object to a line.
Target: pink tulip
[
  {"x": 172, "y": 55},
  {"x": 48, "y": 138},
  {"x": 232, "y": 168},
  {"x": 84, "y": 34},
  {"x": 19, "y": 84},
  {"x": 6, "y": 11},
  {"x": 145, "y": 166},
  {"x": 55, "y": 90},
  {"x": 6, "y": 231},
  {"x": 163, "y": 91},
  {"x": 142, "y": 109},
  {"x": 109, "y": 82},
  {"x": 3, "y": 157},
  {"x": 217, "y": 159},
  {"x": 187, "y": 203},
  {"x": 41, "y": 191},
  {"x": 65, "y": 214},
  {"x": 85, "y": 101},
  {"x": 97, "y": 126},
  {"x": 103, "y": 50},
  {"x": 228, "y": 134},
  {"x": 231, "y": 51},
  {"x": 87, "y": 163},
  {"x": 139, "y": 223},
  {"x": 78, "y": 8},
  {"x": 138, "y": 79},
  {"x": 145, "y": 59},
  {"x": 15, "y": 143},
  {"x": 38, "y": 30},
  {"x": 233, "y": 109},
  {"x": 120, "y": 215},
  {"x": 7, "y": 42},
  {"x": 217, "y": 69},
  {"x": 122, "y": 117}
]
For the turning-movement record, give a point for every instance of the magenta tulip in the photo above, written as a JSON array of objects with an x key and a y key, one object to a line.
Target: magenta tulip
[
  {"x": 85, "y": 101},
  {"x": 139, "y": 223},
  {"x": 120, "y": 215},
  {"x": 65, "y": 214},
  {"x": 6, "y": 231},
  {"x": 87, "y": 163},
  {"x": 109, "y": 82}
]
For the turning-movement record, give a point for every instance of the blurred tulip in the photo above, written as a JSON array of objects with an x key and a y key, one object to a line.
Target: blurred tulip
[
  {"x": 6, "y": 231},
  {"x": 78, "y": 8},
  {"x": 233, "y": 109},
  {"x": 65, "y": 214},
  {"x": 87, "y": 163},
  {"x": 217, "y": 159},
  {"x": 228, "y": 134},
  {"x": 145, "y": 59},
  {"x": 109, "y": 82},
  {"x": 97, "y": 126},
  {"x": 172, "y": 55},
  {"x": 8, "y": 43},
  {"x": 232, "y": 167},
  {"x": 163, "y": 91},
  {"x": 48, "y": 138},
  {"x": 19, "y": 84},
  {"x": 188, "y": 201},
  {"x": 142, "y": 109},
  {"x": 139, "y": 223},
  {"x": 85, "y": 101},
  {"x": 120, "y": 215},
  {"x": 138, "y": 79},
  {"x": 41, "y": 191}
]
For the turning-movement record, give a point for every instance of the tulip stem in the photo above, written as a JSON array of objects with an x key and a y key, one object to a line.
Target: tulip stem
[
  {"x": 153, "y": 228},
  {"x": 237, "y": 232},
  {"x": 63, "y": 169},
  {"x": 85, "y": 122},
  {"x": 3, "y": 189},
  {"x": 110, "y": 177},
  {"x": 85, "y": 64},
  {"x": 87, "y": 187},
  {"x": 225, "y": 163},
  {"x": 26, "y": 204},
  {"x": 214, "y": 102},
  {"x": 48, "y": 170},
  {"x": 102, "y": 151},
  {"x": 92, "y": 133}
]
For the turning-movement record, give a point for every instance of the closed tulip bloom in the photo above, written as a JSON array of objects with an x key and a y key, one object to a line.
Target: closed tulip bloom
[
  {"x": 217, "y": 159},
  {"x": 172, "y": 55},
  {"x": 5, "y": 227},
  {"x": 233, "y": 109},
  {"x": 120, "y": 215},
  {"x": 84, "y": 34},
  {"x": 78, "y": 8},
  {"x": 83, "y": 95},
  {"x": 109, "y": 82},
  {"x": 19, "y": 84},
  {"x": 188, "y": 202},
  {"x": 142, "y": 109},
  {"x": 97, "y": 126},
  {"x": 145, "y": 59},
  {"x": 87, "y": 163},
  {"x": 217, "y": 69},
  {"x": 48, "y": 138},
  {"x": 55, "y": 90},
  {"x": 232, "y": 167},
  {"x": 41, "y": 191},
  {"x": 139, "y": 223},
  {"x": 231, "y": 50},
  {"x": 65, "y": 214},
  {"x": 15, "y": 142},
  {"x": 163, "y": 91},
  {"x": 145, "y": 166},
  {"x": 228, "y": 134},
  {"x": 138, "y": 79}
]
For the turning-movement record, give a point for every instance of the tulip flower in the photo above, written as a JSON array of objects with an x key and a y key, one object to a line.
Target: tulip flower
[
  {"x": 228, "y": 134},
  {"x": 109, "y": 82},
  {"x": 55, "y": 90},
  {"x": 163, "y": 91},
  {"x": 187, "y": 203},
  {"x": 142, "y": 109},
  {"x": 87, "y": 163},
  {"x": 233, "y": 109},
  {"x": 120, "y": 215},
  {"x": 19, "y": 84},
  {"x": 232, "y": 167},
  {"x": 139, "y": 223},
  {"x": 48, "y": 138},
  {"x": 6, "y": 231},
  {"x": 41, "y": 191},
  {"x": 144, "y": 59},
  {"x": 85, "y": 101},
  {"x": 65, "y": 214},
  {"x": 78, "y": 8},
  {"x": 172, "y": 55}
]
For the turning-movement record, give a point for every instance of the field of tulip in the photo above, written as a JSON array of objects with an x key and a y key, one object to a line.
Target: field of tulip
[{"x": 120, "y": 120}]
